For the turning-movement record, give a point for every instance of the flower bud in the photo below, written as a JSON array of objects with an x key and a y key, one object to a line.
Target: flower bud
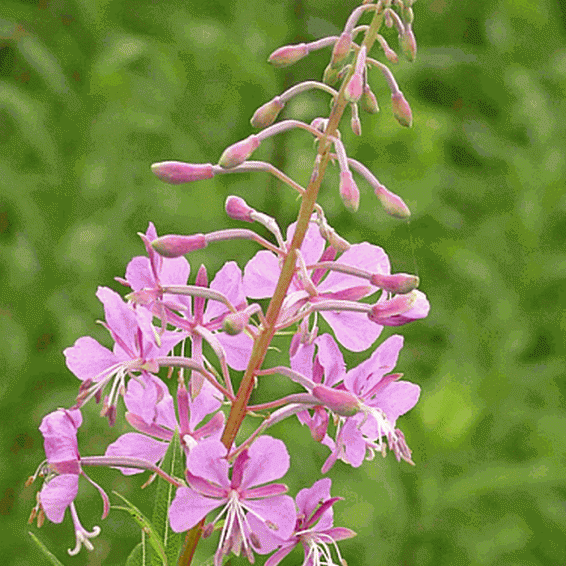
[
  {"x": 354, "y": 88},
  {"x": 341, "y": 49},
  {"x": 331, "y": 75},
  {"x": 235, "y": 323},
  {"x": 238, "y": 209},
  {"x": 401, "y": 109},
  {"x": 399, "y": 283},
  {"x": 267, "y": 114},
  {"x": 288, "y": 54},
  {"x": 177, "y": 172},
  {"x": 349, "y": 191},
  {"x": 341, "y": 402},
  {"x": 237, "y": 153},
  {"x": 408, "y": 44},
  {"x": 392, "y": 204},
  {"x": 401, "y": 309},
  {"x": 355, "y": 123},
  {"x": 368, "y": 102},
  {"x": 175, "y": 246}
]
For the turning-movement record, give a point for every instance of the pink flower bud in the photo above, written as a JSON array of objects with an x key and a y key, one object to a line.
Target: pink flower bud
[
  {"x": 401, "y": 309},
  {"x": 399, "y": 283},
  {"x": 288, "y": 54},
  {"x": 341, "y": 49},
  {"x": 177, "y": 172},
  {"x": 235, "y": 323},
  {"x": 237, "y": 153},
  {"x": 368, "y": 102},
  {"x": 175, "y": 246},
  {"x": 393, "y": 204},
  {"x": 354, "y": 88},
  {"x": 355, "y": 123},
  {"x": 349, "y": 191},
  {"x": 401, "y": 109},
  {"x": 238, "y": 209},
  {"x": 341, "y": 402},
  {"x": 267, "y": 114},
  {"x": 408, "y": 44}
]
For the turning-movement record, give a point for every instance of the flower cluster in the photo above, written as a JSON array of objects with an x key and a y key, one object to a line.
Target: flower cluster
[{"x": 311, "y": 273}]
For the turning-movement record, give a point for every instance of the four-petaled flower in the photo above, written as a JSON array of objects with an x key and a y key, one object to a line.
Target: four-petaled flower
[
  {"x": 211, "y": 487},
  {"x": 59, "y": 430}
]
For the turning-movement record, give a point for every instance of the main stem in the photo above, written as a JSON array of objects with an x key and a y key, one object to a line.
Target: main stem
[{"x": 239, "y": 407}]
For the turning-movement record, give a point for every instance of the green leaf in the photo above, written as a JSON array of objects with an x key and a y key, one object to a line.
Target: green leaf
[
  {"x": 136, "y": 557},
  {"x": 50, "y": 556},
  {"x": 173, "y": 464},
  {"x": 146, "y": 526}
]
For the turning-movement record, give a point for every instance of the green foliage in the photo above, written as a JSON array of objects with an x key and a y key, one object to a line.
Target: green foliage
[{"x": 91, "y": 93}]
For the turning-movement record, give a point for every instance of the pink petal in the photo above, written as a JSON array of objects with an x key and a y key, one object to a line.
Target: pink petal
[
  {"x": 278, "y": 512},
  {"x": 308, "y": 499},
  {"x": 331, "y": 359},
  {"x": 207, "y": 460},
  {"x": 363, "y": 256},
  {"x": 139, "y": 274},
  {"x": 57, "y": 495},
  {"x": 137, "y": 445},
  {"x": 397, "y": 398},
  {"x": 269, "y": 460},
  {"x": 382, "y": 361},
  {"x": 229, "y": 282},
  {"x": 188, "y": 508},
  {"x": 261, "y": 274},
  {"x": 353, "y": 329},
  {"x": 87, "y": 359}
]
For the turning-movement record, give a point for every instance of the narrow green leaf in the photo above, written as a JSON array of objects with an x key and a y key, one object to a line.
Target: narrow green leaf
[
  {"x": 136, "y": 557},
  {"x": 146, "y": 526},
  {"x": 50, "y": 556},
  {"x": 173, "y": 464}
]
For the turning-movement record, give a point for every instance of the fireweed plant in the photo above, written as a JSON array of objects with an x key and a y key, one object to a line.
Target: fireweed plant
[{"x": 208, "y": 486}]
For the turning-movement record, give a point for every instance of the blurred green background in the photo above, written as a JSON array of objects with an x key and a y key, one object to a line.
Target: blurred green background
[{"x": 93, "y": 91}]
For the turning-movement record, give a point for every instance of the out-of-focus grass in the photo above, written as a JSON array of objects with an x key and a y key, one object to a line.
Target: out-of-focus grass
[{"x": 91, "y": 93}]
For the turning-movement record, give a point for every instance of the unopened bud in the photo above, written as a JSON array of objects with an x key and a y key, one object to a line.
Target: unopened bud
[
  {"x": 331, "y": 75},
  {"x": 176, "y": 246},
  {"x": 237, "y": 153},
  {"x": 235, "y": 323},
  {"x": 288, "y": 54},
  {"x": 341, "y": 402},
  {"x": 401, "y": 309},
  {"x": 267, "y": 114},
  {"x": 177, "y": 172},
  {"x": 399, "y": 283},
  {"x": 408, "y": 44},
  {"x": 341, "y": 49},
  {"x": 238, "y": 209},
  {"x": 368, "y": 102},
  {"x": 392, "y": 204},
  {"x": 355, "y": 123},
  {"x": 401, "y": 109},
  {"x": 354, "y": 88},
  {"x": 349, "y": 191}
]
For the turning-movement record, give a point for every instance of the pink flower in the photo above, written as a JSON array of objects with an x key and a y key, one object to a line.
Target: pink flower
[
  {"x": 210, "y": 487},
  {"x": 59, "y": 430},
  {"x": 352, "y": 329},
  {"x": 96, "y": 365},
  {"x": 313, "y": 529},
  {"x": 155, "y": 418}
]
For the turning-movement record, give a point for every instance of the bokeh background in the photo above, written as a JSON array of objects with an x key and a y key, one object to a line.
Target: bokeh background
[{"x": 93, "y": 92}]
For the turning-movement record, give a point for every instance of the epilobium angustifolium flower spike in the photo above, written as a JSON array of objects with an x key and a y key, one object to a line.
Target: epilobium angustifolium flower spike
[{"x": 201, "y": 332}]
